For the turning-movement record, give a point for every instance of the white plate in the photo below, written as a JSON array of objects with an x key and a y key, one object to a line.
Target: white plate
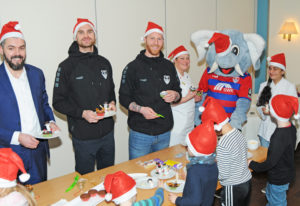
[
  {"x": 137, "y": 175},
  {"x": 54, "y": 135},
  {"x": 93, "y": 201},
  {"x": 144, "y": 183},
  {"x": 177, "y": 189},
  {"x": 163, "y": 176}
]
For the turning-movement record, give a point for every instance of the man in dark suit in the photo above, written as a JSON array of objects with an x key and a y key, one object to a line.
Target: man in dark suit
[{"x": 24, "y": 107}]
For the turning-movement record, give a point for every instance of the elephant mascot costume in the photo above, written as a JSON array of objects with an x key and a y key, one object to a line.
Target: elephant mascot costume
[{"x": 229, "y": 54}]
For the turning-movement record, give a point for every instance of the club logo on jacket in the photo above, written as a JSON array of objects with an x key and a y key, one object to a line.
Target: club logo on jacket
[
  {"x": 235, "y": 79},
  {"x": 104, "y": 73},
  {"x": 225, "y": 86},
  {"x": 167, "y": 79}
]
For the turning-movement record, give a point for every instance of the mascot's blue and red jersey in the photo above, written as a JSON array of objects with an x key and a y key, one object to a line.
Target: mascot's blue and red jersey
[{"x": 227, "y": 90}]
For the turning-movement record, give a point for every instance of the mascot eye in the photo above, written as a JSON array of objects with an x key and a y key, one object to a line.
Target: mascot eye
[{"x": 235, "y": 50}]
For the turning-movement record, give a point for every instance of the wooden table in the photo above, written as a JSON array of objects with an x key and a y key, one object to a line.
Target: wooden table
[{"x": 53, "y": 190}]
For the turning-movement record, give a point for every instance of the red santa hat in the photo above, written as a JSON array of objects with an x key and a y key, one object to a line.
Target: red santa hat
[
  {"x": 10, "y": 164},
  {"x": 11, "y": 29},
  {"x": 202, "y": 140},
  {"x": 152, "y": 27},
  {"x": 278, "y": 60},
  {"x": 282, "y": 107},
  {"x": 212, "y": 110},
  {"x": 177, "y": 52},
  {"x": 80, "y": 23},
  {"x": 222, "y": 43},
  {"x": 119, "y": 187}
]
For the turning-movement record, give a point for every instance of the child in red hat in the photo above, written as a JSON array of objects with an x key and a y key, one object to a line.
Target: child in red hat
[
  {"x": 121, "y": 189},
  {"x": 12, "y": 193},
  {"x": 234, "y": 174},
  {"x": 280, "y": 158},
  {"x": 202, "y": 171}
]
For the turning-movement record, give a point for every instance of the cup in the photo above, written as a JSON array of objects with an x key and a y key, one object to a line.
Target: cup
[{"x": 252, "y": 144}]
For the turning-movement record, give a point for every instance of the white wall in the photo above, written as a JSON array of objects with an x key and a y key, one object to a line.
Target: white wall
[
  {"x": 280, "y": 11},
  {"x": 48, "y": 24}
]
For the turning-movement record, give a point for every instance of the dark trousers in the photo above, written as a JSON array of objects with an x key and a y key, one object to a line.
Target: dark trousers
[
  {"x": 88, "y": 152},
  {"x": 236, "y": 195}
]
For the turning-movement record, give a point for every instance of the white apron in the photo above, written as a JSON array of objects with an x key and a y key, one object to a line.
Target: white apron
[{"x": 183, "y": 114}]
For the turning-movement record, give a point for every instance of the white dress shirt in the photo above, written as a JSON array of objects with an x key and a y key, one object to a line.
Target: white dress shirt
[{"x": 29, "y": 119}]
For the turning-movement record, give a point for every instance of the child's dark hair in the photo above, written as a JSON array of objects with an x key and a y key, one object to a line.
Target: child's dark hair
[{"x": 265, "y": 95}]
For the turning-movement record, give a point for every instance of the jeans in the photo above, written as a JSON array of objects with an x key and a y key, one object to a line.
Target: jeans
[
  {"x": 88, "y": 152},
  {"x": 141, "y": 144},
  {"x": 236, "y": 195},
  {"x": 263, "y": 142},
  {"x": 276, "y": 194}
]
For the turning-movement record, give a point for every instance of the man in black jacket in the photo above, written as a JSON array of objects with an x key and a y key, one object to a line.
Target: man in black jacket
[
  {"x": 83, "y": 82},
  {"x": 149, "y": 85}
]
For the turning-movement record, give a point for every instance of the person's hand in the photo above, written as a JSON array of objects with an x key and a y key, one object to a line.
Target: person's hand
[
  {"x": 265, "y": 111},
  {"x": 171, "y": 96},
  {"x": 112, "y": 106},
  {"x": 91, "y": 116},
  {"x": 28, "y": 141},
  {"x": 198, "y": 98},
  {"x": 191, "y": 94},
  {"x": 148, "y": 113},
  {"x": 172, "y": 197},
  {"x": 249, "y": 161},
  {"x": 54, "y": 127}
]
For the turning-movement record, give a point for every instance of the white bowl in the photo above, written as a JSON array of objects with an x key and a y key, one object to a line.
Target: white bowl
[{"x": 252, "y": 144}]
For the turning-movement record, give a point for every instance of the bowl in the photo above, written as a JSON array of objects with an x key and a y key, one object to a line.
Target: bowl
[{"x": 252, "y": 144}]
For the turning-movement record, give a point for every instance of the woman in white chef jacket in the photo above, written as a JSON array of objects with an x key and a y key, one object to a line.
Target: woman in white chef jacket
[
  {"x": 183, "y": 111},
  {"x": 276, "y": 84}
]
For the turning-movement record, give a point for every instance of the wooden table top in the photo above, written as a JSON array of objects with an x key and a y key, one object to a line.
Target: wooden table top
[{"x": 51, "y": 191}]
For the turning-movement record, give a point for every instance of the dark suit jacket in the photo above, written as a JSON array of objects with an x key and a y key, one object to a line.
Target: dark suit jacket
[{"x": 10, "y": 119}]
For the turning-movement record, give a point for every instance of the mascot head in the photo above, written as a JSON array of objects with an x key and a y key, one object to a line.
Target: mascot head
[{"x": 229, "y": 52}]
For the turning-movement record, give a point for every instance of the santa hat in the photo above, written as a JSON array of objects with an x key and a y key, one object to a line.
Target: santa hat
[
  {"x": 11, "y": 29},
  {"x": 202, "y": 140},
  {"x": 282, "y": 107},
  {"x": 10, "y": 164},
  {"x": 212, "y": 110},
  {"x": 80, "y": 23},
  {"x": 278, "y": 60},
  {"x": 177, "y": 52},
  {"x": 152, "y": 27},
  {"x": 222, "y": 43},
  {"x": 119, "y": 187}
]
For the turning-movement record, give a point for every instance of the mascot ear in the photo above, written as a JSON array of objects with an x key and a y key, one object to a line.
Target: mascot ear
[
  {"x": 200, "y": 39},
  {"x": 256, "y": 45}
]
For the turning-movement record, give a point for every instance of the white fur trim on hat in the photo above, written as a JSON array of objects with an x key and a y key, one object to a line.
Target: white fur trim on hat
[
  {"x": 125, "y": 196},
  {"x": 153, "y": 30},
  {"x": 24, "y": 177},
  {"x": 219, "y": 126},
  {"x": 7, "y": 184},
  {"x": 201, "y": 109},
  {"x": 12, "y": 34},
  {"x": 80, "y": 25},
  {"x": 108, "y": 197},
  {"x": 297, "y": 116},
  {"x": 275, "y": 64},
  {"x": 180, "y": 53}
]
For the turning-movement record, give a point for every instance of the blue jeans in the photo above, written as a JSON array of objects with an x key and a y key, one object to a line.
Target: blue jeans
[
  {"x": 276, "y": 194},
  {"x": 141, "y": 144},
  {"x": 88, "y": 152},
  {"x": 263, "y": 142}
]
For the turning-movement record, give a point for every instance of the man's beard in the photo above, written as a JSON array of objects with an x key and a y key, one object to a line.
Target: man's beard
[
  {"x": 152, "y": 51},
  {"x": 15, "y": 67}
]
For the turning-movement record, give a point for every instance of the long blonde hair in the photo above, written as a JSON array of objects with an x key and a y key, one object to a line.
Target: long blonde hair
[{"x": 21, "y": 189}]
